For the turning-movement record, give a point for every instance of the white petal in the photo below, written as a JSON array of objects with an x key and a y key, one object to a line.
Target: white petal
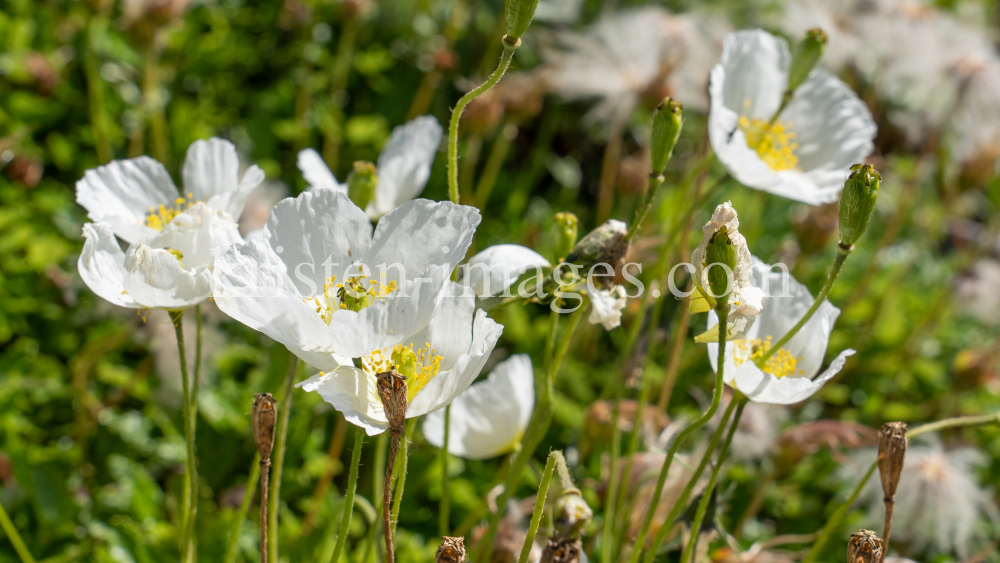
[
  {"x": 405, "y": 164},
  {"x": 420, "y": 233},
  {"x": 490, "y": 416},
  {"x": 762, "y": 387},
  {"x": 318, "y": 235},
  {"x": 122, "y": 192},
  {"x": 756, "y": 71},
  {"x": 250, "y": 285},
  {"x": 102, "y": 264},
  {"x": 493, "y": 270},
  {"x": 316, "y": 172},
  {"x": 200, "y": 233},
  {"x": 606, "y": 307},
  {"x": 352, "y": 392},
  {"x": 211, "y": 174},
  {"x": 154, "y": 278}
]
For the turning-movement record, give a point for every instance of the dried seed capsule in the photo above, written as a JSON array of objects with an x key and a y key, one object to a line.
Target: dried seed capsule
[
  {"x": 562, "y": 550},
  {"x": 452, "y": 550},
  {"x": 864, "y": 547},
  {"x": 263, "y": 416},
  {"x": 392, "y": 392},
  {"x": 891, "y": 454}
]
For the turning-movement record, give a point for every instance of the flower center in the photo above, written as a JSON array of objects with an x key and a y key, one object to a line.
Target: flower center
[
  {"x": 419, "y": 366},
  {"x": 359, "y": 292},
  {"x": 158, "y": 217},
  {"x": 779, "y": 365},
  {"x": 774, "y": 142}
]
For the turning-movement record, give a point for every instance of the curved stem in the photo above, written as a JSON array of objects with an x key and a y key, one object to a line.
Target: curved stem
[
  {"x": 536, "y": 516},
  {"x": 241, "y": 514},
  {"x": 723, "y": 313},
  {"x": 834, "y": 520},
  {"x": 190, "y": 503},
  {"x": 352, "y": 483},
  {"x": 14, "y": 537},
  {"x": 445, "y": 508},
  {"x": 285, "y": 411},
  {"x": 456, "y": 114}
]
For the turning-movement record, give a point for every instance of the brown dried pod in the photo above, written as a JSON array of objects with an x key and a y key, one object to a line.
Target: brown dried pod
[
  {"x": 562, "y": 550},
  {"x": 864, "y": 547},
  {"x": 264, "y": 415},
  {"x": 891, "y": 454},
  {"x": 392, "y": 392},
  {"x": 452, "y": 550}
]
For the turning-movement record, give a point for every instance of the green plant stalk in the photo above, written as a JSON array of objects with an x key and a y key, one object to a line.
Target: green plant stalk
[
  {"x": 190, "y": 505},
  {"x": 953, "y": 422},
  {"x": 723, "y": 313},
  {"x": 834, "y": 520},
  {"x": 607, "y": 535},
  {"x": 655, "y": 182},
  {"x": 536, "y": 515},
  {"x": 279, "y": 459},
  {"x": 699, "y": 515},
  {"x": 397, "y": 499},
  {"x": 14, "y": 537},
  {"x": 241, "y": 514},
  {"x": 842, "y": 254},
  {"x": 352, "y": 483},
  {"x": 444, "y": 510},
  {"x": 541, "y": 417},
  {"x": 456, "y": 114}
]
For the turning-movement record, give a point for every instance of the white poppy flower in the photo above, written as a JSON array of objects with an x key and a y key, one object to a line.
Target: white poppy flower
[
  {"x": 745, "y": 299},
  {"x": 403, "y": 166},
  {"x": 448, "y": 354},
  {"x": 789, "y": 376},
  {"x": 321, "y": 283},
  {"x": 606, "y": 307},
  {"x": 492, "y": 271},
  {"x": 806, "y": 153},
  {"x": 490, "y": 417},
  {"x": 169, "y": 271},
  {"x": 138, "y": 198}
]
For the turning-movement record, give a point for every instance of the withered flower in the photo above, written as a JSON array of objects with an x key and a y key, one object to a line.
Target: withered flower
[
  {"x": 864, "y": 547},
  {"x": 452, "y": 550},
  {"x": 891, "y": 453},
  {"x": 562, "y": 550},
  {"x": 264, "y": 415}
]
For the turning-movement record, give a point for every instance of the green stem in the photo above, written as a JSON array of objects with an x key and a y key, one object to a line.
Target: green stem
[
  {"x": 444, "y": 524},
  {"x": 699, "y": 516},
  {"x": 352, "y": 482},
  {"x": 536, "y": 516},
  {"x": 285, "y": 411},
  {"x": 190, "y": 505},
  {"x": 655, "y": 181},
  {"x": 952, "y": 422},
  {"x": 14, "y": 537},
  {"x": 509, "y": 46},
  {"x": 836, "y": 517},
  {"x": 723, "y": 313},
  {"x": 397, "y": 498},
  {"x": 842, "y": 254},
  {"x": 241, "y": 514}
]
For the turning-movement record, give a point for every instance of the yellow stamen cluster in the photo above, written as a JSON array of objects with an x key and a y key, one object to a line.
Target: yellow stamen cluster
[
  {"x": 782, "y": 363},
  {"x": 421, "y": 368},
  {"x": 158, "y": 217},
  {"x": 353, "y": 297},
  {"x": 773, "y": 142}
]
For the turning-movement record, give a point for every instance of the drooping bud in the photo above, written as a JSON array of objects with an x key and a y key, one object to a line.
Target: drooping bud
[
  {"x": 864, "y": 547},
  {"x": 452, "y": 550},
  {"x": 606, "y": 244},
  {"x": 517, "y": 15},
  {"x": 572, "y": 513},
  {"x": 562, "y": 550},
  {"x": 667, "y": 122},
  {"x": 361, "y": 183},
  {"x": 263, "y": 417},
  {"x": 564, "y": 233},
  {"x": 857, "y": 203},
  {"x": 392, "y": 392},
  {"x": 891, "y": 454},
  {"x": 805, "y": 56},
  {"x": 720, "y": 263}
]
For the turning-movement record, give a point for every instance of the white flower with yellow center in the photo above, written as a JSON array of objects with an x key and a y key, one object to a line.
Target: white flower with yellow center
[
  {"x": 439, "y": 361},
  {"x": 490, "y": 417},
  {"x": 789, "y": 375},
  {"x": 806, "y": 151},
  {"x": 403, "y": 167},
  {"x": 322, "y": 283},
  {"x": 138, "y": 198}
]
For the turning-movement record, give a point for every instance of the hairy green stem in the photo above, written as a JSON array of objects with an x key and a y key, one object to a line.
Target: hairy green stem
[
  {"x": 14, "y": 537},
  {"x": 352, "y": 483},
  {"x": 509, "y": 46},
  {"x": 190, "y": 504},
  {"x": 404, "y": 449},
  {"x": 444, "y": 509},
  {"x": 241, "y": 514},
  {"x": 536, "y": 515},
  {"x": 279, "y": 458}
]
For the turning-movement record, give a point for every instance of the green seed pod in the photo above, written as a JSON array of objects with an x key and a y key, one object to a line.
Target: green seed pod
[
  {"x": 564, "y": 233},
  {"x": 857, "y": 202},
  {"x": 361, "y": 183},
  {"x": 805, "y": 57},
  {"x": 667, "y": 122},
  {"x": 720, "y": 263},
  {"x": 517, "y": 15},
  {"x": 572, "y": 513}
]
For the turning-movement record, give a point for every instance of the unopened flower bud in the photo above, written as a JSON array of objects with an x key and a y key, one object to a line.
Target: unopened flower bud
[
  {"x": 606, "y": 244},
  {"x": 572, "y": 513},
  {"x": 452, "y": 550},
  {"x": 361, "y": 183},
  {"x": 263, "y": 417},
  {"x": 891, "y": 453},
  {"x": 720, "y": 263},
  {"x": 392, "y": 392},
  {"x": 864, "y": 547},
  {"x": 857, "y": 202},
  {"x": 564, "y": 233},
  {"x": 807, "y": 54},
  {"x": 667, "y": 122},
  {"x": 517, "y": 15},
  {"x": 562, "y": 550}
]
